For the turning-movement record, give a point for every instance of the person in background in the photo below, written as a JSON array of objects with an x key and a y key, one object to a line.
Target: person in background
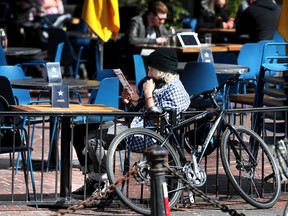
[
  {"x": 52, "y": 7},
  {"x": 214, "y": 15},
  {"x": 162, "y": 89},
  {"x": 258, "y": 21},
  {"x": 148, "y": 28}
]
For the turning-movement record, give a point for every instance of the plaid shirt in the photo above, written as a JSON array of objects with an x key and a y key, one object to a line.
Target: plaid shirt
[{"x": 172, "y": 95}]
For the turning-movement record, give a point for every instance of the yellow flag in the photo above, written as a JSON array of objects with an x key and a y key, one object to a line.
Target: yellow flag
[
  {"x": 282, "y": 23},
  {"x": 102, "y": 17}
]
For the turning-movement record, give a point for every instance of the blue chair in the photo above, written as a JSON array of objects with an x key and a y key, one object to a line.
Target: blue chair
[
  {"x": 53, "y": 56},
  {"x": 3, "y": 60},
  {"x": 190, "y": 23},
  {"x": 102, "y": 74},
  {"x": 140, "y": 73},
  {"x": 250, "y": 55},
  {"x": 20, "y": 143},
  {"x": 225, "y": 58},
  {"x": 198, "y": 77},
  {"x": 22, "y": 96},
  {"x": 105, "y": 95}
]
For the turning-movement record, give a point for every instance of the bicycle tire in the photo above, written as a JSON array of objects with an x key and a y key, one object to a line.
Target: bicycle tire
[
  {"x": 259, "y": 186},
  {"x": 135, "y": 194}
]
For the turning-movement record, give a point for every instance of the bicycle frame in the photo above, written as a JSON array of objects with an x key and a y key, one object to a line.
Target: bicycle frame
[{"x": 218, "y": 121}]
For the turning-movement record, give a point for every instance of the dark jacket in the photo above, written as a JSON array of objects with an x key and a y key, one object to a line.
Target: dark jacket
[
  {"x": 207, "y": 19},
  {"x": 259, "y": 20},
  {"x": 137, "y": 31}
]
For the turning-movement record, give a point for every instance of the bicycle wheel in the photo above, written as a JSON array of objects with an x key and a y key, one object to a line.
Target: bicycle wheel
[
  {"x": 258, "y": 184},
  {"x": 136, "y": 192}
]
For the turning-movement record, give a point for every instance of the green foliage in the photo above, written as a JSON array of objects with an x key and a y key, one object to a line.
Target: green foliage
[
  {"x": 233, "y": 6},
  {"x": 177, "y": 13}
]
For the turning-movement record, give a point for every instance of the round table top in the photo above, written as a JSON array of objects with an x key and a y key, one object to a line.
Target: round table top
[
  {"x": 41, "y": 84},
  {"x": 21, "y": 51},
  {"x": 222, "y": 68},
  {"x": 230, "y": 68}
]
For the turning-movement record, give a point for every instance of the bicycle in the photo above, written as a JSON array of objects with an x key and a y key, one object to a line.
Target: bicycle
[{"x": 246, "y": 159}]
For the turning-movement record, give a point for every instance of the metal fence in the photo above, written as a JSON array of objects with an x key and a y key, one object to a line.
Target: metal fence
[{"x": 48, "y": 181}]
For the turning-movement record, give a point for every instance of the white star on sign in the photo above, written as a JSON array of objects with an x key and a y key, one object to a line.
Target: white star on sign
[
  {"x": 206, "y": 54},
  {"x": 53, "y": 69},
  {"x": 60, "y": 93}
]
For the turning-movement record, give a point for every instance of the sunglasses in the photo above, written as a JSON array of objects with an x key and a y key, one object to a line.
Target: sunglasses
[{"x": 160, "y": 17}]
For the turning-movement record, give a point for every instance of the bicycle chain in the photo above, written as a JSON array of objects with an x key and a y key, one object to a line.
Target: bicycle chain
[
  {"x": 109, "y": 190},
  {"x": 200, "y": 193},
  {"x": 99, "y": 195}
]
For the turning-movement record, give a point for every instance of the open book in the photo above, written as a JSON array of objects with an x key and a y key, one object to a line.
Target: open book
[{"x": 123, "y": 80}]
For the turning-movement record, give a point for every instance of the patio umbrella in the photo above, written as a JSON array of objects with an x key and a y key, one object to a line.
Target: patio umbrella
[
  {"x": 102, "y": 17},
  {"x": 282, "y": 22}
]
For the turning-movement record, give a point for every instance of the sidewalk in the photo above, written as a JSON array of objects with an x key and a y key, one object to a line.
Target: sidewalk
[{"x": 200, "y": 208}]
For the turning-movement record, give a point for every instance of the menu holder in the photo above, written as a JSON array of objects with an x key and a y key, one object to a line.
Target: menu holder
[
  {"x": 123, "y": 80},
  {"x": 60, "y": 96},
  {"x": 205, "y": 55},
  {"x": 53, "y": 72}
]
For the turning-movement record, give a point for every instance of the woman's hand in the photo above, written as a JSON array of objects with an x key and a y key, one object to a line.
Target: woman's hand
[
  {"x": 148, "y": 88},
  {"x": 126, "y": 97}
]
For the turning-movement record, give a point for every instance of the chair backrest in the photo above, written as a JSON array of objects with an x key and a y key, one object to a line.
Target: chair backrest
[
  {"x": 190, "y": 23},
  {"x": 59, "y": 52},
  {"x": 140, "y": 72},
  {"x": 250, "y": 55},
  {"x": 102, "y": 74},
  {"x": 107, "y": 94},
  {"x": 198, "y": 77},
  {"x": 56, "y": 36},
  {"x": 3, "y": 60},
  {"x": 15, "y": 72},
  {"x": 267, "y": 50},
  {"x": 6, "y": 90}
]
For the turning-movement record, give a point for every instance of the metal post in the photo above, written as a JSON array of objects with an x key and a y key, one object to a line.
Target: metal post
[{"x": 156, "y": 156}]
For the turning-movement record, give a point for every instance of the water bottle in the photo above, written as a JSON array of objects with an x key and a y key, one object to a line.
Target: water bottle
[
  {"x": 3, "y": 38},
  {"x": 172, "y": 34}
]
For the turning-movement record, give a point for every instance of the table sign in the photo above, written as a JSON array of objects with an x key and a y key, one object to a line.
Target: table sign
[
  {"x": 60, "y": 96},
  {"x": 205, "y": 55},
  {"x": 53, "y": 72}
]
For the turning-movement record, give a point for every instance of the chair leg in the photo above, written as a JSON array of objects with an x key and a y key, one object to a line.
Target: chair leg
[
  {"x": 18, "y": 156},
  {"x": 55, "y": 126}
]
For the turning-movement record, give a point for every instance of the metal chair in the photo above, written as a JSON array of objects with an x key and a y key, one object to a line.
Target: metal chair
[
  {"x": 21, "y": 96},
  {"x": 18, "y": 140}
]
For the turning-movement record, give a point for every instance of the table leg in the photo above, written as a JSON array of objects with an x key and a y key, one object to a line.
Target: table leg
[{"x": 65, "y": 179}]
